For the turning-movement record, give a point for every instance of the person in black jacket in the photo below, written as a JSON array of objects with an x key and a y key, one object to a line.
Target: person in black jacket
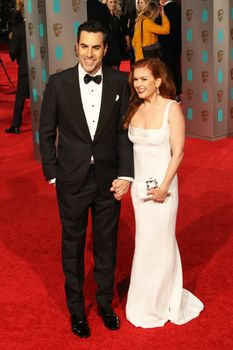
[
  {"x": 171, "y": 43},
  {"x": 18, "y": 51}
]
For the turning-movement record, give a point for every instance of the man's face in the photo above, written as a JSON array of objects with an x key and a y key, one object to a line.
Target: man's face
[
  {"x": 205, "y": 36},
  {"x": 57, "y": 27},
  {"x": 91, "y": 51}
]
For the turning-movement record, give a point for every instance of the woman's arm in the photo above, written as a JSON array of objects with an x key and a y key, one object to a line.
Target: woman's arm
[
  {"x": 177, "y": 138},
  {"x": 164, "y": 28}
]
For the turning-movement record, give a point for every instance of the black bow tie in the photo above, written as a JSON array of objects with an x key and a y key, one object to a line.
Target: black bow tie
[{"x": 97, "y": 78}]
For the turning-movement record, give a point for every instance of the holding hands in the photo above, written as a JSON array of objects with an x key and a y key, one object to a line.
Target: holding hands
[{"x": 119, "y": 188}]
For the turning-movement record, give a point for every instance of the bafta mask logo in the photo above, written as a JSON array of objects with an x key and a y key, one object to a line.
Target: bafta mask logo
[
  {"x": 189, "y": 15},
  {"x": 40, "y": 6},
  {"x": 205, "y": 76},
  {"x": 189, "y": 94},
  {"x": 57, "y": 28},
  {"x": 220, "y": 95},
  {"x": 220, "y": 15},
  {"x": 30, "y": 28},
  {"x": 205, "y": 36},
  {"x": 33, "y": 73},
  {"x": 205, "y": 115},
  {"x": 76, "y": 5},
  {"x": 42, "y": 52},
  {"x": 220, "y": 55},
  {"x": 36, "y": 115},
  {"x": 231, "y": 112},
  {"x": 189, "y": 55}
]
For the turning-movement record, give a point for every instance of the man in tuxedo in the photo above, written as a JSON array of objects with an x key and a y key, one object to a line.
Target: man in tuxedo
[
  {"x": 171, "y": 43},
  {"x": 130, "y": 13},
  {"x": 18, "y": 52},
  {"x": 86, "y": 105}
]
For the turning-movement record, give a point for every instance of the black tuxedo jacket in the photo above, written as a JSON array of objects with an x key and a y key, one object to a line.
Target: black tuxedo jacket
[
  {"x": 62, "y": 110},
  {"x": 172, "y": 41},
  {"x": 18, "y": 48},
  {"x": 130, "y": 13}
]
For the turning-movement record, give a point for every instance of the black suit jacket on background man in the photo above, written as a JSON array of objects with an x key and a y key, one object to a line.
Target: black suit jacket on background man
[{"x": 111, "y": 149}]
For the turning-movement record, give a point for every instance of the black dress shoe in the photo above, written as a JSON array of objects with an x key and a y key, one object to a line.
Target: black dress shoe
[
  {"x": 80, "y": 326},
  {"x": 111, "y": 320},
  {"x": 12, "y": 130}
]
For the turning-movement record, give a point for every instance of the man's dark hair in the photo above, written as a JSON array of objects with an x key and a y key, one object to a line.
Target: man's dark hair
[{"x": 93, "y": 27}]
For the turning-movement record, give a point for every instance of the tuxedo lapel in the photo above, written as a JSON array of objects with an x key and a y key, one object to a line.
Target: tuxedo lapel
[
  {"x": 72, "y": 91},
  {"x": 109, "y": 94}
]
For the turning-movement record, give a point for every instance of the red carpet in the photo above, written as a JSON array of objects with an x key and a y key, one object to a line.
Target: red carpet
[{"x": 33, "y": 314}]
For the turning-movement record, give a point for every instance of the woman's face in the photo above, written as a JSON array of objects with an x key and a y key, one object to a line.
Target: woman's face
[
  {"x": 111, "y": 5},
  {"x": 144, "y": 83},
  {"x": 141, "y": 4}
]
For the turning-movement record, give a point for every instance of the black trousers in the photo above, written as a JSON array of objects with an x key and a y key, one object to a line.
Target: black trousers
[
  {"x": 74, "y": 207},
  {"x": 173, "y": 63},
  {"x": 21, "y": 94}
]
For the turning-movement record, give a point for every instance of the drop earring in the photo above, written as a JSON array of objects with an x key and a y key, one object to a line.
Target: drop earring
[{"x": 157, "y": 92}]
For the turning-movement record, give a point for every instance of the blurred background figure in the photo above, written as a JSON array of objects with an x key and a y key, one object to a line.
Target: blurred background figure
[
  {"x": 18, "y": 52},
  {"x": 171, "y": 43},
  {"x": 130, "y": 12},
  {"x": 146, "y": 30},
  {"x": 120, "y": 32},
  {"x": 99, "y": 11}
]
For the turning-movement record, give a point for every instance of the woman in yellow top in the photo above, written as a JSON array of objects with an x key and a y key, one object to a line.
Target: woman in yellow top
[{"x": 150, "y": 29}]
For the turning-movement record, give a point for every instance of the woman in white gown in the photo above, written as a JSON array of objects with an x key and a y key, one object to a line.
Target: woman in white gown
[{"x": 157, "y": 131}]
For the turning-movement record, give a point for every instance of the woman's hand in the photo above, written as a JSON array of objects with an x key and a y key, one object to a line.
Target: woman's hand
[{"x": 158, "y": 195}]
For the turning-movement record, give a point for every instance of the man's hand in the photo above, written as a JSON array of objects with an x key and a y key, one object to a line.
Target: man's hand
[{"x": 119, "y": 188}]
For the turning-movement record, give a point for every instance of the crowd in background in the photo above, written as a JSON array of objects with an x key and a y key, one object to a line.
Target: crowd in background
[{"x": 126, "y": 20}]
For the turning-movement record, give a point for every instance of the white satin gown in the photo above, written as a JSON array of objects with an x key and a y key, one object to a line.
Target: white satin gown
[{"x": 156, "y": 294}]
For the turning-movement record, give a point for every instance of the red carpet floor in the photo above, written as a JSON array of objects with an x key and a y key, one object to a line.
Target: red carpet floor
[{"x": 33, "y": 314}]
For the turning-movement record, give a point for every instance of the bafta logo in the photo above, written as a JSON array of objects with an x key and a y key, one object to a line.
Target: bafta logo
[
  {"x": 189, "y": 15},
  {"x": 189, "y": 93},
  {"x": 220, "y": 54},
  {"x": 220, "y": 95},
  {"x": 30, "y": 28},
  {"x": 189, "y": 55},
  {"x": 205, "y": 115},
  {"x": 76, "y": 5},
  {"x": 205, "y": 76},
  {"x": 205, "y": 36},
  {"x": 33, "y": 73},
  {"x": 220, "y": 15},
  {"x": 57, "y": 29}
]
